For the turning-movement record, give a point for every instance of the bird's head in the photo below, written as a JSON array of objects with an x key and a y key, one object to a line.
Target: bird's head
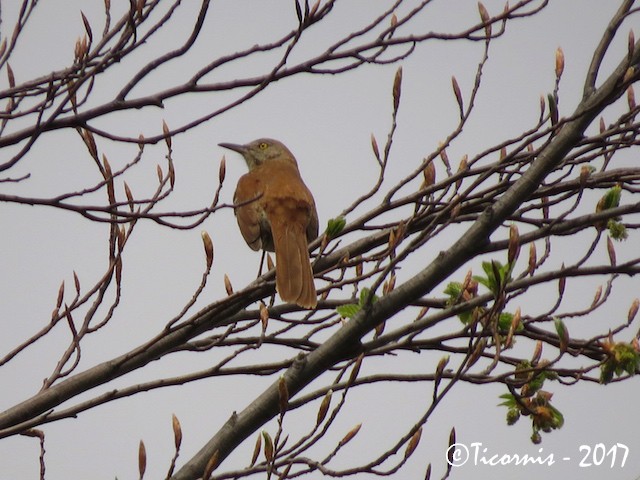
[{"x": 260, "y": 151}]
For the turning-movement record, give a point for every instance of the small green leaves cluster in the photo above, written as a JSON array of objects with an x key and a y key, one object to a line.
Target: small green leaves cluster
[
  {"x": 349, "y": 310},
  {"x": 611, "y": 199},
  {"x": 621, "y": 358},
  {"x": 533, "y": 402},
  {"x": 495, "y": 278},
  {"x": 617, "y": 230}
]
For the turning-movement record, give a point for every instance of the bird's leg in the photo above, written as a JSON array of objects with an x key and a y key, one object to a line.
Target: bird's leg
[
  {"x": 273, "y": 297},
  {"x": 264, "y": 254}
]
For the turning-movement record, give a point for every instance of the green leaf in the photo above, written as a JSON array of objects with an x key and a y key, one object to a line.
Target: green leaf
[
  {"x": 513, "y": 415},
  {"x": 348, "y": 311},
  {"x": 611, "y": 199},
  {"x": 504, "y": 322},
  {"x": 558, "y": 418},
  {"x": 497, "y": 275},
  {"x": 563, "y": 334},
  {"x": 335, "y": 226},
  {"x": 465, "y": 317},
  {"x": 509, "y": 400},
  {"x": 553, "y": 109},
  {"x": 488, "y": 269},
  {"x": 485, "y": 282},
  {"x": 453, "y": 290},
  {"x": 364, "y": 294}
]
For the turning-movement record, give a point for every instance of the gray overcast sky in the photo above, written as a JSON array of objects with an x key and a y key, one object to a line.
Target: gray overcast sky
[{"x": 327, "y": 122}]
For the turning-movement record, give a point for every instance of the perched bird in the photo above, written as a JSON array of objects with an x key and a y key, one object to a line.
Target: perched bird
[{"x": 276, "y": 212}]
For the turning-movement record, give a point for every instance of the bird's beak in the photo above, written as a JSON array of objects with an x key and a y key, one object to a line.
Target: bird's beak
[{"x": 241, "y": 149}]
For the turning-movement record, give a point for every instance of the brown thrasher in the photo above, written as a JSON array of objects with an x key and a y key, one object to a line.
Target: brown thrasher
[{"x": 276, "y": 212}]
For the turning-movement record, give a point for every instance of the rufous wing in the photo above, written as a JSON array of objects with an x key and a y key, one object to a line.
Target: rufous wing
[{"x": 250, "y": 214}]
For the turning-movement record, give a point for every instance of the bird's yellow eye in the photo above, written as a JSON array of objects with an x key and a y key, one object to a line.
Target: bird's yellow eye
[{"x": 263, "y": 145}]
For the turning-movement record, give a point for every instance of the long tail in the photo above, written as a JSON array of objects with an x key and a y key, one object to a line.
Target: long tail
[{"x": 294, "y": 276}]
